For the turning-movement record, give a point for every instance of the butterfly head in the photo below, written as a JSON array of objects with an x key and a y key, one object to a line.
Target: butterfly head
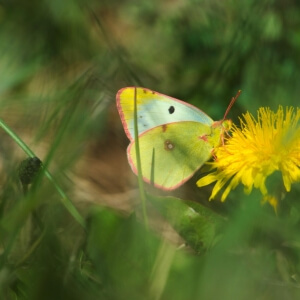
[
  {"x": 226, "y": 125},
  {"x": 223, "y": 125},
  {"x": 220, "y": 129}
]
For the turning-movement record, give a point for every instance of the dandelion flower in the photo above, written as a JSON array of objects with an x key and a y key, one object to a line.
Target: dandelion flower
[{"x": 255, "y": 151}]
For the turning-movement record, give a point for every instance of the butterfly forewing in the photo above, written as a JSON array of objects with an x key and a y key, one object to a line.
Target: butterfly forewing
[{"x": 154, "y": 109}]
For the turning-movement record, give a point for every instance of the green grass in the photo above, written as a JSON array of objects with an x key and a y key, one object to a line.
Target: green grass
[{"x": 80, "y": 232}]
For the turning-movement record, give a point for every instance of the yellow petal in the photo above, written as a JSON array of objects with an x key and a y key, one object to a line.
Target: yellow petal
[{"x": 206, "y": 180}]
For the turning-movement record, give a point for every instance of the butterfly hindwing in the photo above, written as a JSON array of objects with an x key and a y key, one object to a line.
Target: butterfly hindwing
[
  {"x": 171, "y": 153},
  {"x": 154, "y": 109}
]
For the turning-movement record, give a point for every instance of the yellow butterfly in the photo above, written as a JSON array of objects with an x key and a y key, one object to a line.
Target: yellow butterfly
[{"x": 175, "y": 138}]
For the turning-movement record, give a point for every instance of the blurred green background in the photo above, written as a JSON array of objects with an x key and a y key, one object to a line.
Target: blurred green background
[{"x": 61, "y": 65}]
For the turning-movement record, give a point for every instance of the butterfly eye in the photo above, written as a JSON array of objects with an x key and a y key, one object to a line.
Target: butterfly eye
[{"x": 171, "y": 109}]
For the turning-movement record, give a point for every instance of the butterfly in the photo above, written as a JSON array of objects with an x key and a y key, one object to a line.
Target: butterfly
[{"x": 175, "y": 137}]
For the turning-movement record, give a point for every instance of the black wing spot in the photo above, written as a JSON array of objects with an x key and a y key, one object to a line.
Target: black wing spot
[{"x": 171, "y": 109}]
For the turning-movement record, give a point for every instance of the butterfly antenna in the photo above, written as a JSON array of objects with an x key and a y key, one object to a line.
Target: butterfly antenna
[{"x": 233, "y": 99}]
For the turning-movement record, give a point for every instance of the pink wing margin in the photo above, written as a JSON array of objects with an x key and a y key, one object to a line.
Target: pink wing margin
[{"x": 120, "y": 110}]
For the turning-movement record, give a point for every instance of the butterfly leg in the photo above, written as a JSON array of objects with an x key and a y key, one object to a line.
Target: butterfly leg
[{"x": 213, "y": 154}]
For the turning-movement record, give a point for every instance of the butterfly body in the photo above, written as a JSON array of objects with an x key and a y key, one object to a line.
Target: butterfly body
[{"x": 175, "y": 138}]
